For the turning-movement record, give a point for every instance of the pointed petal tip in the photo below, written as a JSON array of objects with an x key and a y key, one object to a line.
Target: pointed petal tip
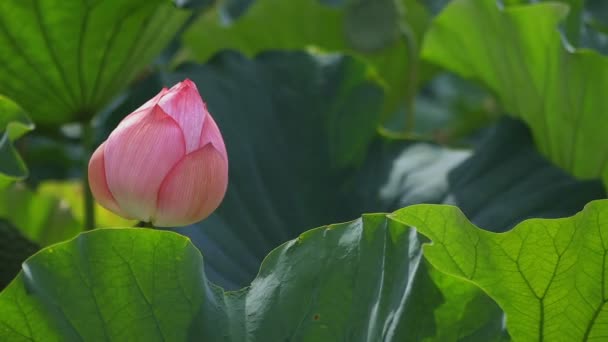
[
  {"x": 188, "y": 82},
  {"x": 183, "y": 85}
]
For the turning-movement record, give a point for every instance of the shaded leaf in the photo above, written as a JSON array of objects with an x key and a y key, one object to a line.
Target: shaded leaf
[
  {"x": 372, "y": 25},
  {"x": 301, "y": 24},
  {"x": 14, "y": 249},
  {"x": 51, "y": 158},
  {"x": 300, "y": 124},
  {"x": 507, "y": 181}
]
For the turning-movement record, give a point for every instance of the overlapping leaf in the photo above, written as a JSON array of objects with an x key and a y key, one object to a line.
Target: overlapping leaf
[
  {"x": 518, "y": 52},
  {"x": 63, "y": 60},
  {"x": 300, "y": 24},
  {"x": 547, "y": 275},
  {"x": 341, "y": 282}
]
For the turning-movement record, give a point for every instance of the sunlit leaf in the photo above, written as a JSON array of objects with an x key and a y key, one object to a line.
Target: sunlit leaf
[
  {"x": 64, "y": 60},
  {"x": 547, "y": 275},
  {"x": 518, "y": 52}
]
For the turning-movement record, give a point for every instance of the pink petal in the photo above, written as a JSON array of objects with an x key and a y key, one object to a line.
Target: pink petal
[
  {"x": 185, "y": 105},
  {"x": 98, "y": 183},
  {"x": 193, "y": 189},
  {"x": 139, "y": 154},
  {"x": 211, "y": 134}
]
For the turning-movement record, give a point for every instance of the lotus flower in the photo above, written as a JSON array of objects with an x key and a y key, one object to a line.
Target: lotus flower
[{"x": 165, "y": 163}]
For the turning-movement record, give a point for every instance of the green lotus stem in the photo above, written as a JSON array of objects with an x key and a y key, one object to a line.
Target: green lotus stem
[{"x": 89, "y": 205}]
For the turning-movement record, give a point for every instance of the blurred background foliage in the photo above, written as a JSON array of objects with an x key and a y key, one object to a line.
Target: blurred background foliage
[{"x": 329, "y": 109}]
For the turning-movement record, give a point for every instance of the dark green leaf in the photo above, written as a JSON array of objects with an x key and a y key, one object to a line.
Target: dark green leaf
[
  {"x": 294, "y": 124},
  {"x": 506, "y": 181},
  {"x": 14, "y": 249},
  {"x": 372, "y": 25},
  {"x": 64, "y": 60}
]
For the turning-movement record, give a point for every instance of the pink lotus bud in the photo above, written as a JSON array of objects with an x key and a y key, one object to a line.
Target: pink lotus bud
[{"x": 165, "y": 163}]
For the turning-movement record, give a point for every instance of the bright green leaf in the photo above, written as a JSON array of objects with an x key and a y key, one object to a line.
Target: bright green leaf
[
  {"x": 548, "y": 275},
  {"x": 64, "y": 60},
  {"x": 13, "y": 124},
  {"x": 518, "y": 52}
]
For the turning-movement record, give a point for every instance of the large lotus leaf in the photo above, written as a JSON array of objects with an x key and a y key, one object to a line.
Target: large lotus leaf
[
  {"x": 13, "y": 124},
  {"x": 139, "y": 284},
  {"x": 547, "y": 275},
  {"x": 518, "y": 52},
  {"x": 300, "y": 24},
  {"x": 64, "y": 60},
  {"x": 348, "y": 281}
]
